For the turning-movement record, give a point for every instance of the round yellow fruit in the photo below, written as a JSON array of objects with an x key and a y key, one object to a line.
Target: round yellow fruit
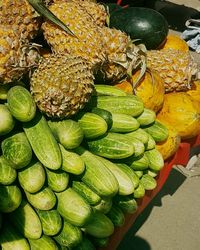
[{"x": 175, "y": 42}]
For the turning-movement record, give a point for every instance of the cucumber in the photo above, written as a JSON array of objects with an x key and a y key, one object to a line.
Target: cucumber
[
  {"x": 11, "y": 239},
  {"x": 73, "y": 207},
  {"x": 148, "y": 182},
  {"x": 127, "y": 203},
  {"x": 69, "y": 236},
  {"x": 126, "y": 169},
  {"x": 125, "y": 183},
  {"x": 158, "y": 131},
  {"x": 138, "y": 145},
  {"x": 57, "y": 179},
  {"x": 111, "y": 146},
  {"x": 105, "y": 114},
  {"x": 26, "y": 220},
  {"x": 87, "y": 193},
  {"x": 123, "y": 123},
  {"x": 100, "y": 242},
  {"x": 51, "y": 221},
  {"x": 43, "y": 142},
  {"x": 104, "y": 206},
  {"x": 139, "y": 191},
  {"x": 7, "y": 173},
  {"x": 151, "y": 172},
  {"x": 150, "y": 144},
  {"x": 99, "y": 225},
  {"x": 102, "y": 89},
  {"x": 129, "y": 105},
  {"x": 139, "y": 134},
  {"x": 67, "y": 132},
  {"x": 139, "y": 173},
  {"x": 21, "y": 103},
  {"x": 156, "y": 161},
  {"x": 116, "y": 216},
  {"x": 17, "y": 150},
  {"x": 138, "y": 163},
  {"x": 92, "y": 125},
  {"x": 7, "y": 121},
  {"x": 10, "y": 198},
  {"x": 32, "y": 177},
  {"x": 147, "y": 117},
  {"x": 44, "y": 199},
  {"x": 85, "y": 244},
  {"x": 44, "y": 243},
  {"x": 71, "y": 162},
  {"x": 97, "y": 176}
]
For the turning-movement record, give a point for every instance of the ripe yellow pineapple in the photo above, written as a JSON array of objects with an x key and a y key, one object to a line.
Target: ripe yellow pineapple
[
  {"x": 87, "y": 41},
  {"x": 20, "y": 17},
  {"x": 16, "y": 58},
  {"x": 176, "y": 67},
  {"x": 61, "y": 85},
  {"x": 123, "y": 56}
]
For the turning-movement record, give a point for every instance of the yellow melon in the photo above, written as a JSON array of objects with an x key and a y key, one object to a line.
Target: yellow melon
[{"x": 175, "y": 42}]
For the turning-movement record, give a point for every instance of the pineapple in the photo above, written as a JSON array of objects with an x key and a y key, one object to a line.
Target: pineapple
[
  {"x": 62, "y": 85},
  {"x": 87, "y": 41},
  {"x": 122, "y": 55},
  {"x": 176, "y": 67},
  {"x": 16, "y": 58},
  {"x": 20, "y": 17}
]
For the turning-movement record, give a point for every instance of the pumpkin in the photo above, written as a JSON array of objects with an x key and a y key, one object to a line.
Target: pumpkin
[
  {"x": 169, "y": 147},
  {"x": 174, "y": 42},
  {"x": 180, "y": 112},
  {"x": 194, "y": 93}
]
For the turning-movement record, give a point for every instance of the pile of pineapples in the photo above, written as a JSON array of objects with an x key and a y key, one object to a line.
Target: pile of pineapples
[{"x": 61, "y": 69}]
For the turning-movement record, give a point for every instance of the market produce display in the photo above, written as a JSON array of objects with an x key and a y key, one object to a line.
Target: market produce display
[{"x": 87, "y": 119}]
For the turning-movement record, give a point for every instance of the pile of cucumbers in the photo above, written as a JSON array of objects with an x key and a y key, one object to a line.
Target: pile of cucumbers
[{"x": 66, "y": 184}]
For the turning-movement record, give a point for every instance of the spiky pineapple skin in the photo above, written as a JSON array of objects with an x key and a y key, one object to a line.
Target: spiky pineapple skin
[
  {"x": 176, "y": 67},
  {"x": 20, "y": 17},
  {"x": 16, "y": 59},
  {"x": 88, "y": 41},
  {"x": 62, "y": 85}
]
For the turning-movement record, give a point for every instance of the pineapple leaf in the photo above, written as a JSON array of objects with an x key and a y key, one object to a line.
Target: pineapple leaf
[{"x": 40, "y": 7}]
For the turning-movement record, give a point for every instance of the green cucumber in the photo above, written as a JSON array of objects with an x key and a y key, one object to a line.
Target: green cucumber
[
  {"x": 69, "y": 236},
  {"x": 11, "y": 239},
  {"x": 85, "y": 244},
  {"x": 87, "y": 193},
  {"x": 140, "y": 162},
  {"x": 32, "y": 177},
  {"x": 139, "y": 134},
  {"x": 150, "y": 144},
  {"x": 57, "y": 179},
  {"x": 99, "y": 225},
  {"x": 44, "y": 243},
  {"x": 138, "y": 145},
  {"x": 26, "y": 220},
  {"x": 21, "y": 103},
  {"x": 111, "y": 146},
  {"x": 129, "y": 171},
  {"x": 123, "y": 123},
  {"x": 102, "y": 89},
  {"x": 129, "y": 105},
  {"x": 51, "y": 221},
  {"x": 125, "y": 183},
  {"x": 105, "y": 114},
  {"x": 151, "y": 172},
  {"x": 158, "y": 131},
  {"x": 7, "y": 173},
  {"x": 7, "y": 122},
  {"x": 139, "y": 173},
  {"x": 139, "y": 191},
  {"x": 116, "y": 216},
  {"x": 100, "y": 242},
  {"x": 148, "y": 182},
  {"x": 127, "y": 203},
  {"x": 93, "y": 125},
  {"x": 156, "y": 161},
  {"x": 104, "y": 206},
  {"x": 73, "y": 207},
  {"x": 17, "y": 150},
  {"x": 44, "y": 199},
  {"x": 147, "y": 117},
  {"x": 97, "y": 176},
  {"x": 43, "y": 142},
  {"x": 10, "y": 198},
  {"x": 71, "y": 162},
  {"x": 67, "y": 132}
]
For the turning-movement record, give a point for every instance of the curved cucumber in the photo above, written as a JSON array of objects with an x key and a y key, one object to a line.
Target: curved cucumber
[
  {"x": 116, "y": 216},
  {"x": 7, "y": 173},
  {"x": 103, "y": 89},
  {"x": 44, "y": 243},
  {"x": 147, "y": 117},
  {"x": 7, "y": 122},
  {"x": 57, "y": 179}
]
